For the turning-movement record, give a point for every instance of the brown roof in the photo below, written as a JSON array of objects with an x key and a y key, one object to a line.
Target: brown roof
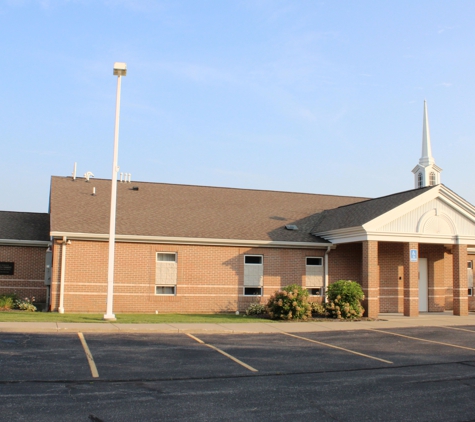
[
  {"x": 159, "y": 209},
  {"x": 24, "y": 226},
  {"x": 355, "y": 215}
]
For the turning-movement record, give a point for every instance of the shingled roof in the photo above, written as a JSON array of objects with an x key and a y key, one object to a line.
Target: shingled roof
[
  {"x": 24, "y": 226},
  {"x": 159, "y": 209},
  {"x": 356, "y": 215}
]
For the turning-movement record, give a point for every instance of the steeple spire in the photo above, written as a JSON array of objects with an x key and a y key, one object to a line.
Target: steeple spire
[
  {"x": 426, "y": 158},
  {"x": 426, "y": 173}
]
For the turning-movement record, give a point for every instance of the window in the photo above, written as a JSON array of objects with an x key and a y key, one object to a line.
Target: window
[
  {"x": 7, "y": 268},
  {"x": 253, "y": 274},
  {"x": 420, "y": 180},
  {"x": 470, "y": 277},
  {"x": 252, "y": 291},
  {"x": 432, "y": 178},
  {"x": 165, "y": 290},
  {"x": 316, "y": 291},
  {"x": 166, "y": 273},
  {"x": 314, "y": 272}
]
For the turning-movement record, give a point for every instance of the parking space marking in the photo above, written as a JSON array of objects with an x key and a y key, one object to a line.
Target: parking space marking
[
  {"x": 223, "y": 353},
  {"x": 89, "y": 357},
  {"x": 427, "y": 341},
  {"x": 459, "y": 329},
  {"x": 339, "y": 348}
]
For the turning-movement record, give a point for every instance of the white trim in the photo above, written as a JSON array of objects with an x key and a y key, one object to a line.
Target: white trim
[
  {"x": 191, "y": 240},
  {"x": 13, "y": 242}
]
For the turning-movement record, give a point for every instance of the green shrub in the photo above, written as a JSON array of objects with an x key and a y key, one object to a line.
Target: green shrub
[
  {"x": 289, "y": 303},
  {"x": 255, "y": 308},
  {"x": 25, "y": 304},
  {"x": 8, "y": 301},
  {"x": 344, "y": 300},
  {"x": 318, "y": 309}
]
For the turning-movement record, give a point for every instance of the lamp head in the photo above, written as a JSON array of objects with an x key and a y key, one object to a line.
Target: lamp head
[{"x": 120, "y": 69}]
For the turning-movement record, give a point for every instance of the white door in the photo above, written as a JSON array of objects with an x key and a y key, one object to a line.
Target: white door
[{"x": 423, "y": 286}]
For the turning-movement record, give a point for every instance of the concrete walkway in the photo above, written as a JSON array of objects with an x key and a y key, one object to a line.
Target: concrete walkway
[{"x": 385, "y": 321}]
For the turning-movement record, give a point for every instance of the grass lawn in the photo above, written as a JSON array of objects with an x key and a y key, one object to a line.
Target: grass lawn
[{"x": 23, "y": 316}]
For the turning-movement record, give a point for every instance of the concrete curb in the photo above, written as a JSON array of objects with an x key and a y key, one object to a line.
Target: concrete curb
[{"x": 385, "y": 322}]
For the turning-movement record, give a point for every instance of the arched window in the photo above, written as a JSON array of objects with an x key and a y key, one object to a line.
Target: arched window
[
  {"x": 432, "y": 178},
  {"x": 420, "y": 180}
]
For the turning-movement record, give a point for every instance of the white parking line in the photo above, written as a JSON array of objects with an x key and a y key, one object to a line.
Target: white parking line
[
  {"x": 459, "y": 329},
  {"x": 337, "y": 347},
  {"x": 222, "y": 352},
  {"x": 89, "y": 357},
  {"x": 427, "y": 341}
]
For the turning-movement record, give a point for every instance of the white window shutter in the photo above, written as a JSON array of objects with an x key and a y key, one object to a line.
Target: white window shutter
[{"x": 314, "y": 276}]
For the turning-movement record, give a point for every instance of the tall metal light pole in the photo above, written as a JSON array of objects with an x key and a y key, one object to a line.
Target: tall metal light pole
[{"x": 120, "y": 69}]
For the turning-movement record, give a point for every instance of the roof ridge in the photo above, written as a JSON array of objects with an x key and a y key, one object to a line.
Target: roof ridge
[
  {"x": 387, "y": 196},
  {"x": 24, "y": 212},
  {"x": 225, "y": 187}
]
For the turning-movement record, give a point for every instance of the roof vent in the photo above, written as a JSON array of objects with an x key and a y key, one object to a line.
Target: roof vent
[
  {"x": 291, "y": 227},
  {"x": 88, "y": 175},
  {"x": 135, "y": 188}
]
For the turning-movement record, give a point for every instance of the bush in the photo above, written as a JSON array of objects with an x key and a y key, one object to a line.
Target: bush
[
  {"x": 8, "y": 301},
  {"x": 344, "y": 300},
  {"x": 255, "y": 308},
  {"x": 318, "y": 309},
  {"x": 289, "y": 303},
  {"x": 25, "y": 304}
]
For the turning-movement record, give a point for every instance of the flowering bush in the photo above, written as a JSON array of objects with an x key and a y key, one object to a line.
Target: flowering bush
[
  {"x": 318, "y": 309},
  {"x": 289, "y": 303},
  {"x": 255, "y": 308},
  {"x": 344, "y": 300},
  {"x": 25, "y": 304}
]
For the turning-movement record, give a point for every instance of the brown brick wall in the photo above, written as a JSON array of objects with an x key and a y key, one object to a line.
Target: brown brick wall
[
  {"x": 436, "y": 275},
  {"x": 29, "y": 271},
  {"x": 345, "y": 263},
  {"x": 209, "y": 278},
  {"x": 391, "y": 267}
]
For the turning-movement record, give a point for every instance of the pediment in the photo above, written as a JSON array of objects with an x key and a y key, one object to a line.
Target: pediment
[{"x": 436, "y": 216}]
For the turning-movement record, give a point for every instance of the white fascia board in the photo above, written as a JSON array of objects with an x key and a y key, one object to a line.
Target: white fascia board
[
  {"x": 402, "y": 209},
  {"x": 191, "y": 240},
  {"x": 13, "y": 242},
  {"x": 348, "y": 235},
  {"x": 422, "y": 238},
  {"x": 457, "y": 202}
]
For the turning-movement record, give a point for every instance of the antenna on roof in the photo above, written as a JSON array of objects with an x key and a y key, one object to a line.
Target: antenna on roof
[
  {"x": 74, "y": 170},
  {"x": 88, "y": 175}
]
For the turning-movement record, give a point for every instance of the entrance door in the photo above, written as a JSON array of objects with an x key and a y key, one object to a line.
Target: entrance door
[{"x": 423, "y": 286}]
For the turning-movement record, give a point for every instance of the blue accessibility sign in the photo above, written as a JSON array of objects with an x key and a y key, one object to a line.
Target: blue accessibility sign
[{"x": 413, "y": 255}]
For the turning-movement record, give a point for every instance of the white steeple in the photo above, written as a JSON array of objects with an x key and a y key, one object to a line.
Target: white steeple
[{"x": 426, "y": 173}]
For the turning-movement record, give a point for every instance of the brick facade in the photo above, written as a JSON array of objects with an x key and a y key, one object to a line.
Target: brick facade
[
  {"x": 209, "y": 278},
  {"x": 29, "y": 271}
]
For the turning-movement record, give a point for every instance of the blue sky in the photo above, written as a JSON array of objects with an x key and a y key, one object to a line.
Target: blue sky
[{"x": 306, "y": 96}]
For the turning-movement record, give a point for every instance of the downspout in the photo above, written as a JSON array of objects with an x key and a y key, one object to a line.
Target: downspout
[
  {"x": 325, "y": 280},
  {"x": 63, "y": 275}
]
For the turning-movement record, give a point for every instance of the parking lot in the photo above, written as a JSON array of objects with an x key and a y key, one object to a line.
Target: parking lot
[{"x": 416, "y": 374}]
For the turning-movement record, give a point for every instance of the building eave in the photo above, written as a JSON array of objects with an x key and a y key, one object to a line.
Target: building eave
[{"x": 191, "y": 241}]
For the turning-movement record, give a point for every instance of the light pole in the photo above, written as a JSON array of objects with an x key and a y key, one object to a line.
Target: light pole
[{"x": 120, "y": 69}]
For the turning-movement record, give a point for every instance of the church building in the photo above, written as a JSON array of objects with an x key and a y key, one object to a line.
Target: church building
[
  {"x": 198, "y": 249},
  {"x": 190, "y": 249}
]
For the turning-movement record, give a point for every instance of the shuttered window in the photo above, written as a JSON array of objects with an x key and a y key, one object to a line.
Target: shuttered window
[
  {"x": 166, "y": 273},
  {"x": 253, "y": 270},
  {"x": 314, "y": 272}
]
